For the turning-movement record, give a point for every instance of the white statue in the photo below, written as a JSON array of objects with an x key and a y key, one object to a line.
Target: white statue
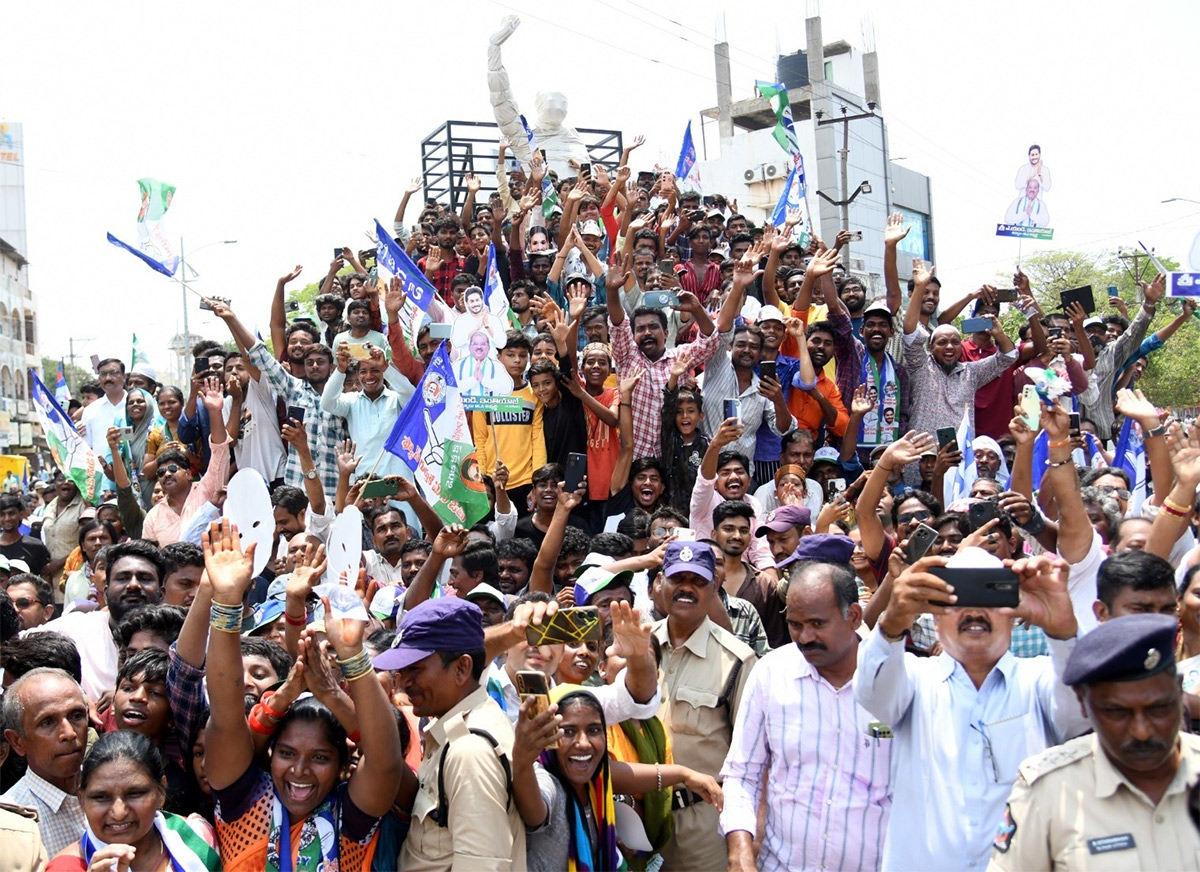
[{"x": 561, "y": 144}]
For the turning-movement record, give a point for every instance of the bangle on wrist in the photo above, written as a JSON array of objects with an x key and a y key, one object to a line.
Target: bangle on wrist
[
  {"x": 225, "y": 618},
  {"x": 1063, "y": 444},
  {"x": 658, "y": 772},
  {"x": 295, "y": 622},
  {"x": 896, "y": 637},
  {"x": 254, "y": 723},
  {"x": 1173, "y": 508},
  {"x": 356, "y": 665},
  {"x": 1058, "y": 463},
  {"x": 265, "y": 702}
]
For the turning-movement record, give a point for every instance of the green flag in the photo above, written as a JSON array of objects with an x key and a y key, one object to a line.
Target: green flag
[
  {"x": 138, "y": 356},
  {"x": 776, "y": 94}
]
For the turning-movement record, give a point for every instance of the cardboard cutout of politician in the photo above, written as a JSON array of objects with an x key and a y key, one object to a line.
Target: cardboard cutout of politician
[{"x": 1028, "y": 217}]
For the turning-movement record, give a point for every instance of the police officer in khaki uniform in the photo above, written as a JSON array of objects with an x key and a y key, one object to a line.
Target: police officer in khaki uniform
[
  {"x": 23, "y": 850},
  {"x": 1117, "y": 799},
  {"x": 704, "y": 668}
]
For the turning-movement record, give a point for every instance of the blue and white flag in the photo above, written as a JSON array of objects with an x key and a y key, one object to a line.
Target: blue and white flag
[
  {"x": 493, "y": 288},
  {"x": 549, "y": 195},
  {"x": 433, "y": 438},
  {"x": 794, "y": 198},
  {"x": 72, "y": 455},
  {"x": 685, "y": 167},
  {"x": 1130, "y": 455},
  {"x": 958, "y": 481},
  {"x": 392, "y": 258},
  {"x": 167, "y": 270}
]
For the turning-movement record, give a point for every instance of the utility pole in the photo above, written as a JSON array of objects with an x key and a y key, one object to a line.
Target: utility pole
[
  {"x": 1134, "y": 272},
  {"x": 844, "y": 155}
]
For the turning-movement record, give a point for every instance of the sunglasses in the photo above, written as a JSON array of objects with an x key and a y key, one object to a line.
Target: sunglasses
[
  {"x": 25, "y": 603},
  {"x": 1119, "y": 492},
  {"x": 907, "y": 517},
  {"x": 172, "y": 468}
]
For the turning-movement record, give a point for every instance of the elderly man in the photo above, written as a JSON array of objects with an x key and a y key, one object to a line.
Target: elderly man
[
  {"x": 45, "y": 720},
  {"x": 1124, "y": 790},
  {"x": 972, "y": 713},
  {"x": 800, "y": 728},
  {"x": 704, "y": 670}
]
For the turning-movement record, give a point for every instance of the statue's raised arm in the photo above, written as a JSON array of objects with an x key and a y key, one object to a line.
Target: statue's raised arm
[{"x": 504, "y": 106}]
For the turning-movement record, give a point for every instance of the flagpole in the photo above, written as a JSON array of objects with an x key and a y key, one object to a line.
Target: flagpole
[{"x": 378, "y": 460}]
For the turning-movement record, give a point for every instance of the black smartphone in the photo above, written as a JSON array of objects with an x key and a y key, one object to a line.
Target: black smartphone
[
  {"x": 980, "y": 588},
  {"x": 296, "y": 413},
  {"x": 834, "y": 488},
  {"x": 1075, "y": 423},
  {"x": 667, "y": 266},
  {"x": 766, "y": 369},
  {"x": 708, "y": 201},
  {"x": 380, "y": 487},
  {"x": 976, "y": 325},
  {"x": 576, "y": 470},
  {"x": 980, "y": 513},
  {"x": 337, "y": 252},
  {"x": 585, "y": 170},
  {"x": 919, "y": 543},
  {"x": 946, "y": 436},
  {"x": 1054, "y": 332},
  {"x": 200, "y": 365},
  {"x": 1006, "y": 295},
  {"x": 731, "y": 410},
  {"x": 1083, "y": 296}
]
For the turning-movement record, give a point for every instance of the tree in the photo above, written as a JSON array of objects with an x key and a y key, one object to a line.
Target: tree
[{"x": 76, "y": 376}]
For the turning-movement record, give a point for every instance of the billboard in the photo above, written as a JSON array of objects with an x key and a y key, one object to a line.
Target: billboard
[{"x": 12, "y": 186}]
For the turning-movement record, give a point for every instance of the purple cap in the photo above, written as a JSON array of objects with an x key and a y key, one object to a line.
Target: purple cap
[
  {"x": 784, "y": 518},
  {"x": 824, "y": 547},
  {"x": 443, "y": 624},
  {"x": 694, "y": 557}
]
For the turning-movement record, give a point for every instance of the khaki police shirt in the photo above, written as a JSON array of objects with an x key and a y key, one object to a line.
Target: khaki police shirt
[
  {"x": 480, "y": 834},
  {"x": 21, "y": 840},
  {"x": 695, "y": 676},
  {"x": 1071, "y": 809}
]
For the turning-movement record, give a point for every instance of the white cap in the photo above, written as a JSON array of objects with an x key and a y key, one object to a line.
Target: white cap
[
  {"x": 829, "y": 454},
  {"x": 590, "y": 228},
  {"x": 769, "y": 313},
  {"x": 484, "y": 590}
]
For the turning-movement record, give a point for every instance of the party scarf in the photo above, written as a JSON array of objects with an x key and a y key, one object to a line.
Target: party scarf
[
  {"x": 582, "y": 855},
  {"x": 186, "y": 850},
  {"x": 874, "y": 430},
  {"x": 319, "y": 839},
  {"x": 649, "y": 739}
]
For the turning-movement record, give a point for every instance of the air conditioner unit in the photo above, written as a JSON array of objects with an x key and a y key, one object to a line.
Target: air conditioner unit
[
  {"x": 772, "y": 171},
  {"x": 753, "y": 174},
  {"x": 857, "y": 264}
]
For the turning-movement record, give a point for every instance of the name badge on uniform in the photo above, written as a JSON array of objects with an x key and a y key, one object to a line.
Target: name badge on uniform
[{"x": 1107, "y": 844}]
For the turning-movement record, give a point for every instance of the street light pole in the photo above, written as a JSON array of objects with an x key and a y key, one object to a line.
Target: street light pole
[
  {"x": 844, "y": 154},
  {"x": 183, "y": 289}
]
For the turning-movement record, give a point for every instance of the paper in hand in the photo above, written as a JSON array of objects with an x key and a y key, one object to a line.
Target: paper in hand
[{"x": 343, "y": 601}]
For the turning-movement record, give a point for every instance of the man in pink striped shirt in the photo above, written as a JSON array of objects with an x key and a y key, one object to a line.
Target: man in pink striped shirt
[{"x": 827, "y": 761}]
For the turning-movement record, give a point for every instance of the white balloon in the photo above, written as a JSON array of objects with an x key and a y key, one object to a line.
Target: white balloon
[
  {"x": 248, "y": 505},
  {"x": 344, "y": 551}
]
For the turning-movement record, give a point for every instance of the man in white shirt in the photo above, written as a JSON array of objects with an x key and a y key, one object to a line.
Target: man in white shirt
[
  {"x": 45, "y": 719},
  {"x": 255, "y": 435},
  {"x": 106, "y": 411},
  {"x": 964, "y": 720},
  {"x": 826, "y": 759}
]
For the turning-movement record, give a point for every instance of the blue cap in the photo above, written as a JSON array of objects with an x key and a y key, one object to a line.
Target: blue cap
[
  {"x": 265, "y": 613},
  {"x": 825, "y": 547},
  {"x": 443, "y": 624},
  {"x": 1123, "y": 649},
  {"x": 594, "y": 579},
  {"x": 694, "y": 557}
]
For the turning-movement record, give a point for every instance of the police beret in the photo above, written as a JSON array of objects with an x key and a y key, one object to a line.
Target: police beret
[{"x": 1123, "y": 649}]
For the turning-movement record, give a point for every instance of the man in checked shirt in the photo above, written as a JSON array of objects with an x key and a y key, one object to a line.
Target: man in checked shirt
[{"x": 643, "y": 345}]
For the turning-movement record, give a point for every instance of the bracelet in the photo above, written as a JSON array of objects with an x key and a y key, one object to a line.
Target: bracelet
[
  {"x": 265, "y": 702},
  {"x": 356, "y": 666},
  {"x": 295, "y": 622},
  {"x": 1063, "y": 444},
  {"x": 258, "y": 726},
  {"x": 896, "y": 638},
  {"x": 225, "y": 618},
  {"x": 1181, "y": 510},
  {"x": 658, "y": 772},
  {"x": 627, "y": 405},
  {"x": 1173, "y": 512},
  {"x": 1059, "y": 463},
  {"x": 1036, "y": 524}
]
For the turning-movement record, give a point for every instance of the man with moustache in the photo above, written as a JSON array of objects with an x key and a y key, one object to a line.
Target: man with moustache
[
  {"x": 45, "y": 720},
  {"x": 827, "y": 760},
  {"x": 1124, "y": 790},
  {"x": 964, "y": 720},
  {"x": 889, "y": 380},
  {"x": 704, "y": 669},
  {"x": 135, "y": 573}
]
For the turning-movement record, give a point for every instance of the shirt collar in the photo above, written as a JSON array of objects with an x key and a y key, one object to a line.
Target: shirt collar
[
  {"x": 436, "y": 729},
  {"x": 45, "y": 791},
  {"x": 697, "y": 643},
  {"x": 947, "y": 664}
]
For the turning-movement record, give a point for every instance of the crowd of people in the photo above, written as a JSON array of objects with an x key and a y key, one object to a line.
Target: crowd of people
[{"x": 785, "y": 620}]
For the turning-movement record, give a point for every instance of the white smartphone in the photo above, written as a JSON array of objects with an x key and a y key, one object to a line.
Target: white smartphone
[{"x": 1031, "y": 407}]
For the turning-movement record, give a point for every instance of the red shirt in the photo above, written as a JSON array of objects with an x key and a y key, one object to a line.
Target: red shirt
[
  {"x": 444, "y": 276},
  {"x": 689, "y": 281}
]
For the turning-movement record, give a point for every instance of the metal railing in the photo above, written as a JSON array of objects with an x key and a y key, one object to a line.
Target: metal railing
[{"x": 458, "y": 148}]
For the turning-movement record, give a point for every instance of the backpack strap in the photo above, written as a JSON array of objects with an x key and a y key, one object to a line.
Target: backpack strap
[
  {"x": 727, "y": 691},
  {"x": 441, "y": 815}
]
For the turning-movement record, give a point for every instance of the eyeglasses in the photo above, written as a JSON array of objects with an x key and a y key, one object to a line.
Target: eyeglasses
[
  {"x": 981, "y": 728},
  {"x": 909, "y": 517},
  {"x": 172, "y": 468},
  {"x": 1119, "y": 492},
  {"x": 25, "y": 603}
]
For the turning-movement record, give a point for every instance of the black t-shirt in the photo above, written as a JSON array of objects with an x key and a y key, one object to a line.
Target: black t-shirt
[
  {"x": 526, "y": 530},
  {"x": 31, "y": 550}
]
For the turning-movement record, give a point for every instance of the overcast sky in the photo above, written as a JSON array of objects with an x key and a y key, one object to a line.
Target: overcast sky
[{"x": 289, "y": 127}]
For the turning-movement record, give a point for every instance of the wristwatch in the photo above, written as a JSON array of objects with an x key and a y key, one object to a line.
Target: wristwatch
[
  {"x": 1160, "y": 430},
  {"x": 310, "y": 474}
]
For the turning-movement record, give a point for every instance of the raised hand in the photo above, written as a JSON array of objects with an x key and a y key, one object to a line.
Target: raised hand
[
  {"x": 744, "y": 271},
  {"x": 729, "y": 431},
  {"x": 394, "y": 299},
  {"x": 229, "y": 568},
  {"x": 1045, "y": 601},
  {"x": 213, "y": 396},
  {"x": 629, "y": 382},
  {"x": 907, "y": 448},
  {"x": 287, "y": 277},
  {"x": 569, "y": 500},
  {"x": 1184, "y": 445},
  {"x": 619, "y": 268},
  {"x": 473, "y": 182},
  {"x": 347, "y": 460},
  {"x": 1076, "y": 313},
  {"x": 823, "y": 264},
  {"x": 414, "y": 186},
  {"x": 681, "y": 363},
  {"x": 500, "y": 475},
  {"x": 577, "y": 299},
  {"x": 631, "y": 638},
  {"x": 1133, "y": 404},
  {"x": 914, "y": 592},
  {"x": 450, "y": 541},
  {"x": 895, "y": 229},
  {"x": 922, "y": 273},
  {"x": 1155, "y": 289},
  {"x": 861, "y": 402},
  {"x": 306, "y": 572},
  {"x": 344, "y": 634},
  {"x": 1021, "y": 432}
]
